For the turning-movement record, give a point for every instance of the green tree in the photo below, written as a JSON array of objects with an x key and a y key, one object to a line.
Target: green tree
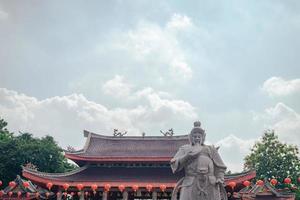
[
  {"x": 274, "y": 159},
  {"x": 44, "y": 153}
]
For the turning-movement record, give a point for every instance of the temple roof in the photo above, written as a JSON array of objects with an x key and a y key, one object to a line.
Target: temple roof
[
  {"x": 100, "y": 175},
  {"x": 128, "y": 148},
  {"x": 30, "y": 192}
]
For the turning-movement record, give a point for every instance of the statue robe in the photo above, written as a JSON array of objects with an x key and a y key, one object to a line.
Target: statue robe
[{"x": 201, "y": 174}]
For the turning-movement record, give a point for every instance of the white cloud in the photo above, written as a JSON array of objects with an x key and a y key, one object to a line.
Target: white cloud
[
  {"x": 158, "y": 46},
  {"x": 284, "y": 120},
  {"x": 64, "y": 117},
  {"x": 179, "y": 22},
  {"x": 233, "y": 151},
  {"x": 3, "y": 14},
  {"x": 277, "y": 86},
  {"x": 117, "y": 87}
]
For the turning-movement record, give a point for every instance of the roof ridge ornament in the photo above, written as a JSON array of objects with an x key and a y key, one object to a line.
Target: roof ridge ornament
[
  {"x": 169, "y": 133},
  {"x": 117, "y": 133}
]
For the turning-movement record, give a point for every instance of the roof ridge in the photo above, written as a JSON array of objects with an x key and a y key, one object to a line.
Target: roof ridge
[
  {"x": 177, "y": 137},
  {"x": 75, "y": 171}
]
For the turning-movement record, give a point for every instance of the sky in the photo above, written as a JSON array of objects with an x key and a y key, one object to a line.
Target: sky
[{"x": 145, "y": 66}]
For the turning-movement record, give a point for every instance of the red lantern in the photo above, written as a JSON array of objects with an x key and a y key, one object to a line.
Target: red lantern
[
  {"x": 287, "y": 181},
  {"x": 19, "y": 194},
  {"x": 66, "y": 186},
  {"x": 260, "y": 183},
  {"x": 149, "y": 187},
  {"x": 49, "y": 185},
  {"x": 10, "y": 193},
  {"x": 107, "y": 187},
  {"x": 37, "y": 195},
  {"x": 26, "y": 184},
  {"x": 12, "y": 184},
  {"x": 121, "y": 188},
  {"x": 232, "y": 184},
  {"x": 47, "y": 194},
  {"x": 163, "y": 187},
  {"x": 27, "y": 194},
  {"x": 1, "y": 183},
  {"x": 79, "y": 186},
  {"x": 135, "y": 187},
  {"x": 1, "y": 193},
  {"x": 94, "y": 187},
  {"x": 79, "y": 194},
  {"x": 273, "y": 181},
  {"x": 246, "y": 183}
]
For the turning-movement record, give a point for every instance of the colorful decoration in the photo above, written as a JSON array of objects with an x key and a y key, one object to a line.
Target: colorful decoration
[
  {"x": 287, "y": 181},
  {"x": 94, "y": 187},
  {"x": 66, "y": 186},
  {"x": 72, "y": 194},
  {"x": 12, "y": 184},
  {"x": 79, "y": 194},
  {"x": 246, "y": 183},
  {"x": 260, "y": 183},
  {"x": 79, "y": 186},
  {"x": 121, "y": 188},
  {"x": 10, "y": 193},
  {"x": 26, "y": 184},
  {"x": 1, "y": 193},
  {"x": 163, "y": 188},
  {"x": 232, "y": 184},
  {"x": 19, "y": 194},
  {"x": 149, "y": 187},
  {"x": 49, "y": 185},
  {"x": 135, "y": 187},
  {"x": 86, "y": 193},
  {"x": 107, "y": 187},
  {"x": 273, "y": 181},
  {"x": 1, "y": 183}
]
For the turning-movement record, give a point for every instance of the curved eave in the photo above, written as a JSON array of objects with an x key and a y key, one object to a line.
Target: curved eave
[
  {"x": 240, "y": 177},
  {"x": 75, "y": 157}
]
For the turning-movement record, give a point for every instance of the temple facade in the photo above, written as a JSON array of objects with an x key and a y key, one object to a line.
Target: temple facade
[{"x": 121, "y": 167}]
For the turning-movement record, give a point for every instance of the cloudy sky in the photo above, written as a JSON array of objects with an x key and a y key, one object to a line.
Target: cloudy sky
[{"x": 145, "y": 66}]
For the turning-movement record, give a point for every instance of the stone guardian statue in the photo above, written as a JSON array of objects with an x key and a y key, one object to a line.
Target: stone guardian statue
[{"x": 203, "y": 167}]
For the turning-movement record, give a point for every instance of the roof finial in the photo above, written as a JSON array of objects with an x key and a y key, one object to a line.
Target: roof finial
[{"x": 170, "y": 132}]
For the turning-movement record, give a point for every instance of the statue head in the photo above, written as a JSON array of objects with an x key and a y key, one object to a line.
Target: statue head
[{"x": 197, "y": 134}]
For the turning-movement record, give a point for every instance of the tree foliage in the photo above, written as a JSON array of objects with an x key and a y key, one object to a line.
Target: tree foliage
[
  {"x": 44, "y": 153},
  {"x": 274, "y": 159}
]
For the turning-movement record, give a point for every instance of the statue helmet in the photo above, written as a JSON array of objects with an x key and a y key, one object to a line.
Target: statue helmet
[{"x": 197, "y": 129}]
